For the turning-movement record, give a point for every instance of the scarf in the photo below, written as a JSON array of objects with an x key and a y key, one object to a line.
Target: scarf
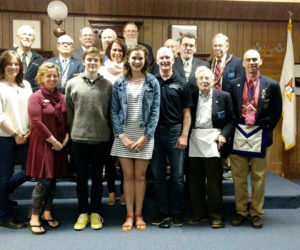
[
  {"x": 57, "y": 102},
  {"x": 114, "y": 68}
]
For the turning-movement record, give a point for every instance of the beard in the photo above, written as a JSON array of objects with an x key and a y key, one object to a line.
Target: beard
[{"x": 131, "y": 42}]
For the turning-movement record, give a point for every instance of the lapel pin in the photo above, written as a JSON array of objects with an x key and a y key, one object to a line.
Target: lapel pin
[
  {"x": 239, "y": 85},
  {"x": 263, "y": 93}
]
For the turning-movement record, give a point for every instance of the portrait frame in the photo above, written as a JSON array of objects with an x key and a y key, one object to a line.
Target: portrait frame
[
  {"x": 35, "y": 24},
  {"x": 176, "y": 31}
]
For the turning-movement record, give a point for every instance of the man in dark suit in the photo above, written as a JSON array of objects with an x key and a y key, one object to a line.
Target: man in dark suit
[
  {"x": 256, "y": 102},
  {"x": 131, "y": 35},
  {"x": 186, "y": 64},
  {"x": 212, "y": 125},
  {"x": 225, "y": 66},
  {"x": 30, "y": 59},
  {"x": 87, "y": 39},
  {"x": 68, "y": 65}
]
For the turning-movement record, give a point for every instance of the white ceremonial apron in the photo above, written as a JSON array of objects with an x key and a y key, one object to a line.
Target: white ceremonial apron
[{"x": 203, "y": 142}]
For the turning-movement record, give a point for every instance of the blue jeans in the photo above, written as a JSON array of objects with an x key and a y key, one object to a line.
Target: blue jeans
[
  {"x": 9, "y": 152},
  {"x": 165, "y": 141}
]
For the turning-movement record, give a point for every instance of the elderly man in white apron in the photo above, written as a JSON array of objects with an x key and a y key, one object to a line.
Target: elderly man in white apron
[{"x": 212, "y": 118}]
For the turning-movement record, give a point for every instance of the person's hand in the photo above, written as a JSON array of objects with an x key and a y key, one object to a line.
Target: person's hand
[
  {"x": 57, "y": 146},
  {"x": 181, "y": 142},
  {"x": 139, "y": 144},
  {"x": 65, "y": 142},
  {"x": 221, "y": 141},
  {"x": 126, "y": 141},
  {"x": 27, "y": 135},
  {"x": 20, "y": 139}
]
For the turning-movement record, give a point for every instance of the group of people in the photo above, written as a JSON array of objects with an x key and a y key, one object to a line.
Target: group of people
[{"x": 189, "y": 112}]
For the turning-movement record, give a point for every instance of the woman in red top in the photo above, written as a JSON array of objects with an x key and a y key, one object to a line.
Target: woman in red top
[{"x": 47, "y": 157}]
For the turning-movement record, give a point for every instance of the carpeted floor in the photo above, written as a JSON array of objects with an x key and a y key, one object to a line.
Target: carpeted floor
[{"x": 281, "y": 231}]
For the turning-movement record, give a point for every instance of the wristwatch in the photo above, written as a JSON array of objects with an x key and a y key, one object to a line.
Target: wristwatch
[{"x": 14, "y": 135}]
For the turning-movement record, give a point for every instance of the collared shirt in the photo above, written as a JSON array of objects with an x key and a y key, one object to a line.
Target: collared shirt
[
  {"x": 245, "y": 100},
  {"x": 204, "y": 110},
  {"x": 174, "y": 98},
  {"x": 62, "y": 59},
  {"x": 28, "y": 57},
  {"x": 187, "y": 67},
  {"x": 89, "y": 81}
]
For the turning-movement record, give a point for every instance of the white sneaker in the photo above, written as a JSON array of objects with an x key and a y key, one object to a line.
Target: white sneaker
[{"x": 82, "y": 222}]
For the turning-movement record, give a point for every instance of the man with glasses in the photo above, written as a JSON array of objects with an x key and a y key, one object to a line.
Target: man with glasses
[
  {"x": 186, "y": 64},
  {"x": 30, "y": 59},
  {"x": 131, "y": 34},
  {"x": 68, "y": 65},
  {"x": 87, "y": 39}
]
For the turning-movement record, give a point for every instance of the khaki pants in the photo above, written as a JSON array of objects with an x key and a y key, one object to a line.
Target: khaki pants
[{"x": 240, "y": 169}]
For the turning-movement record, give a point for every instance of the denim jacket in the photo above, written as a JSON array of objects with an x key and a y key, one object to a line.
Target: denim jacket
[{"x": 149, "y": 112}]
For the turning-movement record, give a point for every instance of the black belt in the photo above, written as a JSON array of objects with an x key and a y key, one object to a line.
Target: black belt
[{"x": 168, "y": 125}]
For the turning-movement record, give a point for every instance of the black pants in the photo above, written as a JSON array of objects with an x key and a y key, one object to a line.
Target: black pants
[
  {"x": 200, "y": 170},
  {"x": 93, "y": 155},
  {"x": 111, "y": 174}
]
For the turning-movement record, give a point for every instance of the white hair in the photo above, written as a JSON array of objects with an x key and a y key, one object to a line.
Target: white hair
[
  {"x": 59, "y": 40},
  {"x": 114, "y": 34},
  {"x": 164, "y": 50},
  {"x": 203, "y": 69},
  {"x": 220, "y": 35},
  {"x": 251, "y": 51},
  {"x": 25, "y": 28}
]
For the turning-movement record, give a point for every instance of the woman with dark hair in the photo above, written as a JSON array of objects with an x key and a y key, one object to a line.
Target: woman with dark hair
[
  {"x": 112, "y": 70},
  {"x": 135, "y": 113},
  {"x": 47, "y": 157},
  {"x": 14, "y": 132}
]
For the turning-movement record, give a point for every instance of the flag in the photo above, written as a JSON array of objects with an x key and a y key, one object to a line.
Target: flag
[{"x": 287, "y": 85}]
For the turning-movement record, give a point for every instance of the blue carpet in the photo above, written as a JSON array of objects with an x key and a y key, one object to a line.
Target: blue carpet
[{"x": 281, "y": 231}]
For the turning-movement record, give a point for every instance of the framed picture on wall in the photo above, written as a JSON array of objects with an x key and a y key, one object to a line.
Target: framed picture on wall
[
  {"x": 177, "y": 31},
  {"x": 35, "y": 24}
]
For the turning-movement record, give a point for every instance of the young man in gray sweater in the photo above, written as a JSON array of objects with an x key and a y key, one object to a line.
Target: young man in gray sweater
[{"x": 88, "y": 101}]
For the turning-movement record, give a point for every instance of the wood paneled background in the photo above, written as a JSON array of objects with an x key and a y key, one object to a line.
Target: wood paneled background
[{"x": 243, "y": 22}]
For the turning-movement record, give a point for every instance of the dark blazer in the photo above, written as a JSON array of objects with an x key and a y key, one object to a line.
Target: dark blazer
[
  {"x": 178, "y": 68},
  {"x": 77, "y": 54},
  {"x": 233, "y": 69},
  {"x": 221, "y": 115},
  {"x": 32, "y": 69},
  {"x": 150, "y": 53},
  {"x": 269, "y": 107},
  {"x": 75, "y": 68}
]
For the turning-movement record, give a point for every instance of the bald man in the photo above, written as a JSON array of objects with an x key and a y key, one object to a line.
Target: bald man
[
  {"x": 173, "y": 45},
  {"x": 68, "y": 65},
  {"x": 106, "y": 38},
  {"x": 257, "y": 106}
]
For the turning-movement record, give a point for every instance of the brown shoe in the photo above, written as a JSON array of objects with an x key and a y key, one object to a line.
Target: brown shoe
[
  {"x": 13, "y": 224},
  {"x": 216, "y": 223},
  {"x": 238, "y": 220},
  {"x": 194, "y": 220},
  {"x": 256, "y": 222}
]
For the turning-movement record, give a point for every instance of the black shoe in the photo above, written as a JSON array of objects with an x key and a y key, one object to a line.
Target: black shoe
[
  {"x": 12, "y": 203},
  {"x": 194, "y": 220},
  {"x": 238, "y": 220},
  {"x": 165, "y": 224},
  {"x": 177, "y": 220},
  {"x": 159, "y": 218},
  {"x": 13, "y": 224},
  {"x": 256, "y": 222}
]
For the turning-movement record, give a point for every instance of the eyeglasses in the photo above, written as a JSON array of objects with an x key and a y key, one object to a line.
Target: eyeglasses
[{"x": 131, "y": 31}]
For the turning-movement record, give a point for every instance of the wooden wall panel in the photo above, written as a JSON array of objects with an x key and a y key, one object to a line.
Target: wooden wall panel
[{"x": 242, "y": 36}]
